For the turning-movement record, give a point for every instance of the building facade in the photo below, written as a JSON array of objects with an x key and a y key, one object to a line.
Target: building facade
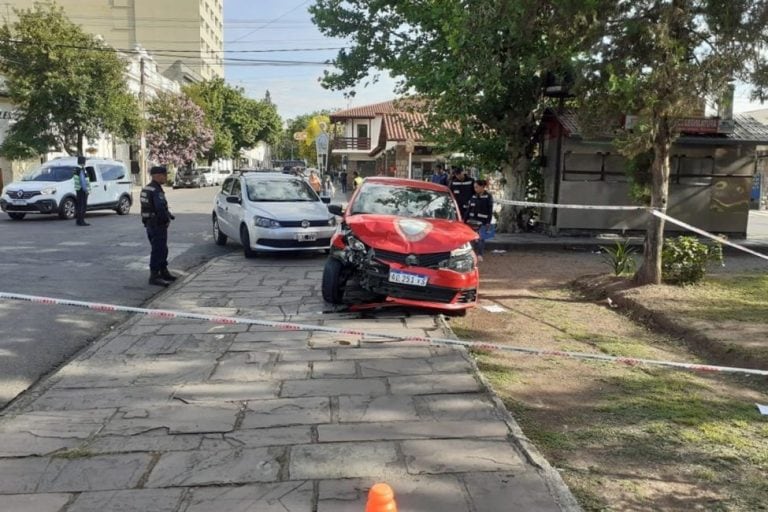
[{"x": 188, "y": 33}]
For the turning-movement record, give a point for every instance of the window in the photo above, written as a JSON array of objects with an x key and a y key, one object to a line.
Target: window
[
  {"x": 227, "y": 186},
  {"x": 693, "y": 170},
  {"x": 280, "y": 191},
  {"x": 112, "y": 172},
  {"x": 362, "y": 131},
  {"x": 615, "y": 168},
  {"x": 583, "y": 167},
  {"x": 235, "y": 188},
  {"x": 404, "y": 202}
]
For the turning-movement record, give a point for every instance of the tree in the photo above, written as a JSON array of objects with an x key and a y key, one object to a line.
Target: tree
[
  {"x": 177, "y": 133},
  {"x": 479, "y": 67},
  {"x": 238, "y": 122},
  {"x": 65, "y": 85},
  {"x": 658, "y": 59}
]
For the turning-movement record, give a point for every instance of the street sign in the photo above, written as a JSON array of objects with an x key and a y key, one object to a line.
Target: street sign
[{"x": 300, "y": 136}]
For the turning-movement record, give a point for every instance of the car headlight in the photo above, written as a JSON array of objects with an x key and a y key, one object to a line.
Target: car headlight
[
  {"x": 464, "y": 249},
  {"x": 332, "y": 221},
  {"x": 48, "y": 191},
  {"x": 355, "y": 244},
  {"x": 264, "y": 222},
  {"x": 462, "y": 259}
]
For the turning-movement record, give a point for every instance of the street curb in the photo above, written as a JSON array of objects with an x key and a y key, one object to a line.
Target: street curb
[{"x": 554, "y": 481}]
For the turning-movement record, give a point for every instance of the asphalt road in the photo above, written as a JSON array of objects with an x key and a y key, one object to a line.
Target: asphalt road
[{"x": 106, "y": 262}]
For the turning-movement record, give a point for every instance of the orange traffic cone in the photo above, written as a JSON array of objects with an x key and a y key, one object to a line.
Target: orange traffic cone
[{"x": 381, "y": 498}]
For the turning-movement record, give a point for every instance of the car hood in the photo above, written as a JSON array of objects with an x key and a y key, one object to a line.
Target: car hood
[
  {"x": 33, "y": 186},
  {"x": 408, "y": 235},
  {"x": 299, "y": 210}
]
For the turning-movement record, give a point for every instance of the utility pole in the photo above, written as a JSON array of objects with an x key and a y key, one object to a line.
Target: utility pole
[{"x": 143, "y": 134}]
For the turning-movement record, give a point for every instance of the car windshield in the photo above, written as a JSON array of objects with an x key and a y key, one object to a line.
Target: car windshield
[
  {"x": 50, "y": 173},
  {"x": 404, "y": 202},
  {"x": 280, "y": 191}
]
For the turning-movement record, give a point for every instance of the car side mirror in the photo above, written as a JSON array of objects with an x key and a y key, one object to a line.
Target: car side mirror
[
  {"x": 325, "y": 199},
  {"x": 234, "y": 200},
  {"x": 336, "y": 209}
]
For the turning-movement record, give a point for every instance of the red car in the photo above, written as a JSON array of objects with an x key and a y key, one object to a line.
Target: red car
[{"x": 404, "y": 241}]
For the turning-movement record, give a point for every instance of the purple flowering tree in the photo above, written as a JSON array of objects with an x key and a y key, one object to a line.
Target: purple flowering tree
[{"x": 177, "y": 133}]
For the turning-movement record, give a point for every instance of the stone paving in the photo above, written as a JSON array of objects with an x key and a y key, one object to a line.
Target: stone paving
[{"x": 187, "y": 416}]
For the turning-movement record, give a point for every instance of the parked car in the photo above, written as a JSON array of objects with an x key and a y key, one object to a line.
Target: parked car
[
  {"x": 403, "y": 241},
  {"x": 189, "y": 178},
  {"x": 269, "y": 212},
  {"x": 49, "y": 189}
]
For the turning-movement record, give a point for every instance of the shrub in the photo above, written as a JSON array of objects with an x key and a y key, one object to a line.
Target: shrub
[
  {"x": 620, "y": 257},
  {"x": 685, "y": 259}
]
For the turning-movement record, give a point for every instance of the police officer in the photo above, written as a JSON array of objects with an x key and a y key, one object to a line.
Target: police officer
[
  {"x": 462, "y": 186},
  {"x": 82, "y": 187},
  {"x": 156, "y": 218},
  {"x": 479, "y": 215}
]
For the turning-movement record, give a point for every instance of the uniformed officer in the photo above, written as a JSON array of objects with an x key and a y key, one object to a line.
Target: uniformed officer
[
  {"x": 462, "y": 186},
  {"x": 156, "y": 218},
  {"x": 82, "y": 188},
  {"x": 480, "y": 214}
]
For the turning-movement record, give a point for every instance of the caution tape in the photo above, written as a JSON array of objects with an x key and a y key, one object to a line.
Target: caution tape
[
  {"x": 571, "y": 206},
  {"x": 289, "y": 326}
]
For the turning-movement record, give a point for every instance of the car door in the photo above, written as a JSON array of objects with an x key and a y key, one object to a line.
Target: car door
[
  {"x": 115, "y": 184},
  {"x": 222, "y": 207},
  {"x": 98, "y": 192},
  {"x": 235, "y": 210}
]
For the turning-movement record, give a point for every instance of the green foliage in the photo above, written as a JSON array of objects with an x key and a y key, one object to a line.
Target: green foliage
[
  {"x": 685, "y": 259},
  {"x": 238, "y": 122},
  {"x": 620, "y": 257},
  {"x": 638, "y": 171},
  {"x": 65, "y": 84}
]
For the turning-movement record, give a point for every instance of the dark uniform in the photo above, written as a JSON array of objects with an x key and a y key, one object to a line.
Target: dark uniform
[
  {"x": 479, "y": 214},
  {"x": 82, "y": 185},
  {"x": 156, "y": 218},
  {"x": 463, "y": 189}
]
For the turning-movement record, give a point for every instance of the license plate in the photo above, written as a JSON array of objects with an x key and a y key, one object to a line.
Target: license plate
[
  {"x": 18, "y": 202},
  {"x": 306, "y": 237},
  {"x": 395, "y": 276}
]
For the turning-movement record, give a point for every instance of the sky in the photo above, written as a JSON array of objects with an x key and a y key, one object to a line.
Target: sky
[
  {"x": 258, "y": 25},
  {"x": 286, "y": 24}
]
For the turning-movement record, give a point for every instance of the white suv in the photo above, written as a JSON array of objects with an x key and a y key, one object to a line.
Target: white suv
[
  {"x": 268, "y": 212},
  {"x": 49, "y": 189}
]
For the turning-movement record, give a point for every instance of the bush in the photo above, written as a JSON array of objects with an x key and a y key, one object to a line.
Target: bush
[
  {"x": 685, "y": 259},
  {"x": 620, "y": 257}
]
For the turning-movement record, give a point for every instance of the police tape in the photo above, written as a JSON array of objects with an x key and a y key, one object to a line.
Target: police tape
[
  {"x": 652, "y": 211},
  {"x": 289, "y": 326}
]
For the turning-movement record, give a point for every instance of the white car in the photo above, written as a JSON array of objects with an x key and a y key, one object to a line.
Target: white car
[
  {"x": 49, "y": 189},
  {"x": 271, "y": 212}
]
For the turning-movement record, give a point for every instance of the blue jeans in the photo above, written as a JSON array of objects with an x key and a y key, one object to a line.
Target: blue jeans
[{"x": 158, "y": 238}]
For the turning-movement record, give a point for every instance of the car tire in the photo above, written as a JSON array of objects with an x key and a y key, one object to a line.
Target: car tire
[
  {"x": 218, "y": 237},
  {"x": 334, "y": 281},
  {"x": 123, "y": 206},
  {"x": 245, "y": 240},
  {"x": 16, "y": 215},
  {"x": 67, "y": 209}
]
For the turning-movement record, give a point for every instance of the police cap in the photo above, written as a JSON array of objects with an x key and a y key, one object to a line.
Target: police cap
[{"x": 158, "y": 169}]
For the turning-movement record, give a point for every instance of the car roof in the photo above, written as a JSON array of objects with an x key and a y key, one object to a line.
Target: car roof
[
  {"x": 269, "y": 176},
  {"x": 72, "y": 160},
  {"x": 403, "y": 182}
]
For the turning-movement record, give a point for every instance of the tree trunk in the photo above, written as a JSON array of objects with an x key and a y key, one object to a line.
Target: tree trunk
[
  {"x": 516, "y": 176},
  {"x": 650, "y": 270},
  {"x": 80, "y": 143}
]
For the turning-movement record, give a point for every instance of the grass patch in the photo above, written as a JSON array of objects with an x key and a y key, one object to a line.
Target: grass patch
[
  {"x": 74, "y": 453},
  {"x": 735, "y": 298}
]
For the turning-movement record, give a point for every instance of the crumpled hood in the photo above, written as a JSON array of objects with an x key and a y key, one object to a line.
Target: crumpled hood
[
  {"x": 292, "y": 211},
  {"x": 409, "y": 235}
]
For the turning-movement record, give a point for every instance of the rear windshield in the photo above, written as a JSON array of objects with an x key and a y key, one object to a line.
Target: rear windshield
[
  {"x": 50, "y": 173},
  {"x": 280, "y": 191},
  {"x": 188, "y": 172},
  {"x": 404, "y": 202}
]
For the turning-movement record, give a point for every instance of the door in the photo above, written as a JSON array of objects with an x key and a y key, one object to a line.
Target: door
[
  {"x": 98, "y": 194},
  {"x": 235, "y": 210},
  {"x": 222, "y": 207},
  {"x": 115, "y": 182}
]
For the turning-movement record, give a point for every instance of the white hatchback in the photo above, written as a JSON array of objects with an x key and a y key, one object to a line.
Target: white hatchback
[{"x": 269, "y": 212}]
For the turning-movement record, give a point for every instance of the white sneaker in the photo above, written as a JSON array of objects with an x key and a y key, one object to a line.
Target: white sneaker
[{"x": 479, "y": 258}]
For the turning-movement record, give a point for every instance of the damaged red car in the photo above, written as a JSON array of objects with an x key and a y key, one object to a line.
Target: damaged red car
[{"x": 404, "y": 242}]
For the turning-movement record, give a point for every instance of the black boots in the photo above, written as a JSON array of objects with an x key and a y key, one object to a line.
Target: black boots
[
  {"x": 157, "y": 279},
  {"x": 165, "y": 274}
]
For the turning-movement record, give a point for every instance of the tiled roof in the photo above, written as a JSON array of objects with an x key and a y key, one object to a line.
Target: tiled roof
[
  {"x": 366, "y": 111},
  {"x": 402, "y": 126}
]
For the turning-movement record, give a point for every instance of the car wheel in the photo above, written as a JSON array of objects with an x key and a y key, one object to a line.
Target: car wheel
[
  {"x": 334, "y": 281},
  {"x": 67, "y": 209},
  {"x": 245, "y": 240},
  {"x": 218, "y": 237},
  {"x": 16, "y": 215},
  {"x": 123, "y": 206}
]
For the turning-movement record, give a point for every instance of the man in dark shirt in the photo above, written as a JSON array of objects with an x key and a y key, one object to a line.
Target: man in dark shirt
[
  {"x": 462, "y": 186},
  {"x": 480, "y": 214},
  {"x": 440, "y": 177},
  {"x": 156, "y": 219}
]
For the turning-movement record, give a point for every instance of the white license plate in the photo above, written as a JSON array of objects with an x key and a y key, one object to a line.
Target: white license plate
[
  {"x": 395, "y": 276},
  {"x": 18, "y": 202},
  {"x": 306, "y": 237}
]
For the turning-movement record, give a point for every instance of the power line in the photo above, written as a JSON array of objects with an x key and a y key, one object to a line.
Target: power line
[{"x": 302, "y": 4}]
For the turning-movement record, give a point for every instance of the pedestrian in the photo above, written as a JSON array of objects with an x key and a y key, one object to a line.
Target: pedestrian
[
  {"x": 462, "y": 186},
  {"x": 343, "y": 180},
  {"x": 314, "y": 182},
  {"x": 440, "y": 177},
  {"x": 82, "y": 189},
  {"x": 480, "y": 214},
  {"x": 357, "y": 180},
  {"x": 328, "y": 188},
  {"x": 156, "y": 218}
]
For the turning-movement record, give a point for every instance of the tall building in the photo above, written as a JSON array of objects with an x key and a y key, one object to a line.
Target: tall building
[{"x": 180, "y": 33}]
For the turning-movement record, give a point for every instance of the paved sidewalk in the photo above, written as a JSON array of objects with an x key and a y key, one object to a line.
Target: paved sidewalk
[{"x": 186, "y": 416}]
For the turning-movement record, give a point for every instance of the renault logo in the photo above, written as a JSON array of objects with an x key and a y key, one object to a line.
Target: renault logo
[
  {"x": 412, "y": 260},
  {"x": 20, "y": 194},
  {"x": 305, "y": 223}
]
